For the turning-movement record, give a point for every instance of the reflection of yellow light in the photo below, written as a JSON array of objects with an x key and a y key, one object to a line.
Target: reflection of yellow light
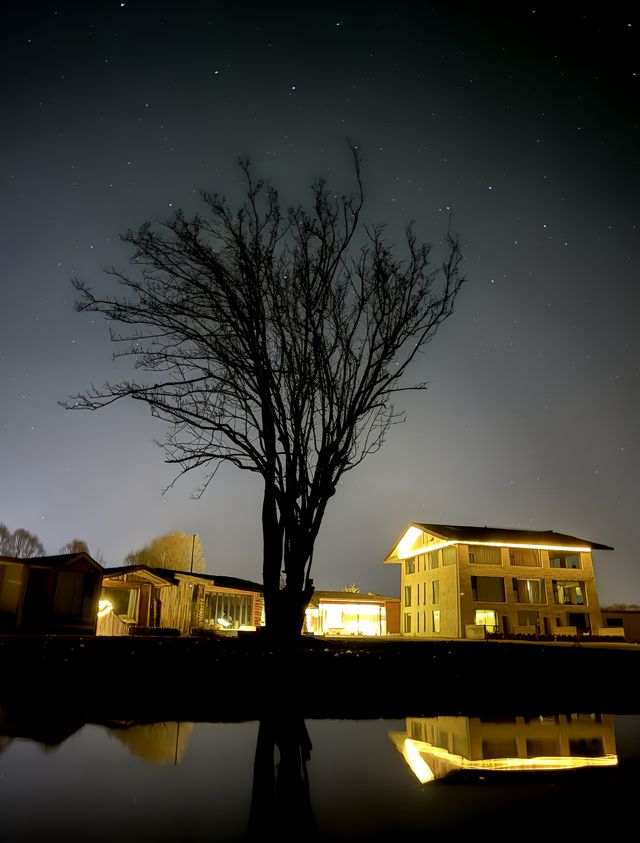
[
  {"x": 223, "y": 622},
  {"x": 406, "y": 542},
  {"x": 104, "y": 607},
  {"x": 419, "y": 766},
  {"x": 413, "y": 749}
]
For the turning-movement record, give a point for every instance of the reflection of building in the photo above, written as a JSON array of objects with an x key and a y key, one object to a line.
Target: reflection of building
[
  {"x": 464, "y": 582},
  {"x": 49, "y": 594},
  {"x": 435, "y": 746},
  {"x": 137, "y": 598},
  {"x": 352, "y": 613}
]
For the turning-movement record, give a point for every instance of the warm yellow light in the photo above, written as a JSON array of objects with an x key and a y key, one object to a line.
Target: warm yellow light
[
  {"x": 406, "y": 542},
  {"x": 532, "y": 546},
  {"x": 421, "y": 770},
  {"x": 223, "y": 622},
  {"x": 104, "y": 607},
  {"x": 413, "y": 748},
  {"x": 405, "y": 549}
]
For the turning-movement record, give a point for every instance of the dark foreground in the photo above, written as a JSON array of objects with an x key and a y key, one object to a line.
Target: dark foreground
[{"x": 217, "y": 680}]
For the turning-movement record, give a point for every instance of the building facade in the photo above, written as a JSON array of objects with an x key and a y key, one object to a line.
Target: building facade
[{"x": 468, "y": 582}]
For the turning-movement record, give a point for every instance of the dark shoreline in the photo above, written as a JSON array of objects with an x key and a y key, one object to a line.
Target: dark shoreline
[{"x": 155, "y": 679}]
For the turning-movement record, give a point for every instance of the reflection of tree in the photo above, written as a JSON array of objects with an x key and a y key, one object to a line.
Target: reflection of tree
[
  {"x": 281, "y": 800},
  {"x": 158, "y": 743}
]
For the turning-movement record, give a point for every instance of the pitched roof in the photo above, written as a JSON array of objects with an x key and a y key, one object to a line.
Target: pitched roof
[
  {"x": 500, "y": 535},
  {"x": 168, "y": 575},
  {"x": 56, "y": 561}
]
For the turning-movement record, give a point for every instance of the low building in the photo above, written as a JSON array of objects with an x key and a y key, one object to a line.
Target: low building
[
  {"x": 624, "y": 622},
  {"x": 138, "y": 598},
  {"x": 468, "y": 582},
  {"x": 50, "y": 594},
  {"x": 352, "y": 613}
]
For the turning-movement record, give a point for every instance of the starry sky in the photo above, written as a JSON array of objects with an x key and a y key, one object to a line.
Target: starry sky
[{"x": 520, "y": 121}]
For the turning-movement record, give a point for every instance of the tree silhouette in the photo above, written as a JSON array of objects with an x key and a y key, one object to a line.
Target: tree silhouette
[
  {"x": 75, "y": 546},
  {"x": 275, "y": 340},
  {"x": 20, "y": 543}
]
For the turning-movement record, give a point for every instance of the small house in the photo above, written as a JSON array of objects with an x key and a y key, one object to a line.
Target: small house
[
  {"x": 50, "y": 594},
  {"x": 351, "y": 613},
  {"x": 139, "y": 598}
]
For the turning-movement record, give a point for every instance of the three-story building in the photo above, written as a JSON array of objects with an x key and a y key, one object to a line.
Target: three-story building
[{"x": 465, "y": 582}]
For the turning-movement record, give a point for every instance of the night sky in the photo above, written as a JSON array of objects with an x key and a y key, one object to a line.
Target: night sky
[{"x": 522, "y": 124}]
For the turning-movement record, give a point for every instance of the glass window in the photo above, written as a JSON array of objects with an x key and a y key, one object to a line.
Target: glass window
[
  {"x": 407, "y": 622},
  {"x": 528, "y": 618},
  {"x": 435, "y": 620},
  {"x": 409, "y": 566},
  {"x": 449, "y": 555},
  {"x": 434, "y": 560},
  {"x": 435, "y": 592},
  {"x": 530, "y": 591},
  {"x": 564, "y": 559},
  {"x": 479, "y": 555},
  {"x": 488, "y": 618},
  {"x": 568, "y": 593},
  {"x": 489, "y": 589},
  {"x": 407, "y": 595},
  {"x": 525, "y": 556}
]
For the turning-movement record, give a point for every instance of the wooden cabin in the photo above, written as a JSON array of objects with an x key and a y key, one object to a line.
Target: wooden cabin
[
  {"x": 138, "y": 599},
  {"x": 50, "y": 594}
]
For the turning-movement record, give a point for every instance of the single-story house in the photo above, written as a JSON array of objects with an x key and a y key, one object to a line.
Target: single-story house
[
  {"x": 50, "y": 594},
  {"x": 352, "y": 613},
  {"x": 624, "y": 622},
  {"x": 139, "y": 598}
]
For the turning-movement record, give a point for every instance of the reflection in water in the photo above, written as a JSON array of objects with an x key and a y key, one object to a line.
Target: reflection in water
[
  {"x": 239, "y": 782},
  {"x": 280, "y": 799},
  {"x": 158, "y": 743},
  {"x": 435, "y": 747}
]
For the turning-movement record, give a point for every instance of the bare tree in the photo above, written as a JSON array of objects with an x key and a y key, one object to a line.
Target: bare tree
[
  {"x": 20, "y": 543},
  {"x": 275, "y": 340}
]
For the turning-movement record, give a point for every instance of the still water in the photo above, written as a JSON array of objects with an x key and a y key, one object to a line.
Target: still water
[{"x": 509, "y": 778}]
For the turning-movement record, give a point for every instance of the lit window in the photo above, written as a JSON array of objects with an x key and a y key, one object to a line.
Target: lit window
[
  {"x": 568, "y": 593},
  {"x": 435, "y": 620},
  {"x": 487, "y": 618},
  {"x": 435, "y": 592}
]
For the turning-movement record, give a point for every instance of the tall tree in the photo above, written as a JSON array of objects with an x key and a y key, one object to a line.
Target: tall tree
[
  {"x": 20, "y": 543},
  {"x": 75, "y": 546},
  {"x": 178, "y": 551},
  {"x": 275, "y": 340}
]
